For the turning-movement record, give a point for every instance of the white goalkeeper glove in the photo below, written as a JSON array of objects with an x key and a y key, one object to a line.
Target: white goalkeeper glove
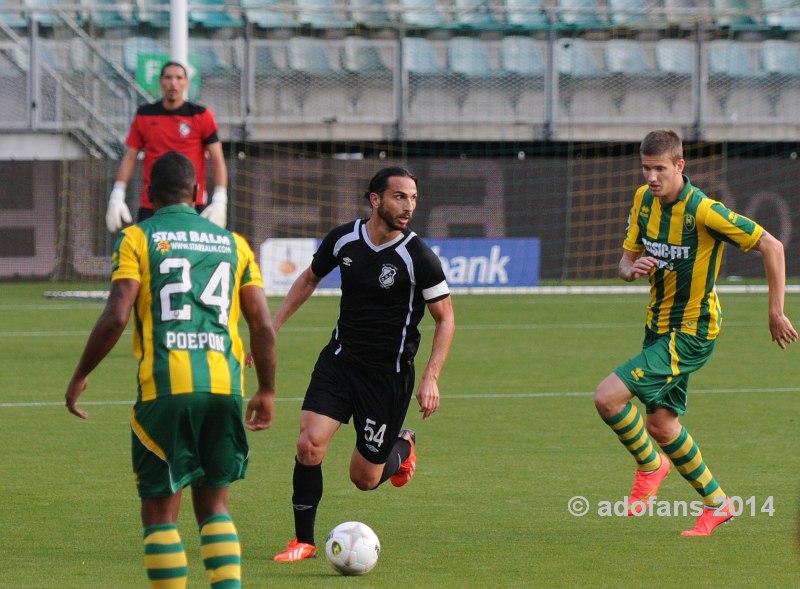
[
  {"x": 118, "y": 212},
  {"x": 217, "y": 209}
]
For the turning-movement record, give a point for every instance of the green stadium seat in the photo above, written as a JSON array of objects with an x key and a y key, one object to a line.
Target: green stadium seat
[
  {"x": 218, "y": 14},
  {"x": 48, "y": 12},
  {"x": 133, "y": 46},
  {"x": 269, "y": 14},
  {"x": 11, "y": 14},
  {"x": 422, "y": 14},
  {"x": 579, "y": 14},
  {"x": 153, "y": 13},
  {"x": 526, "y": 15},
  {"x": 108, "y": 14},
  {"x": 575, "y": 59},
  {"x": 780, "y": 57},
  {"x": 733, "y": 13},
  {"x": 474, "y": 14},
  {"x": 371, "y": 14},
  {"x": 628, "y": 12},
  {"x": 322, "y": 14},
  {"x": 362, "y": 57},
  {"x": 683, "y": 13},
  {"x": 782, "y": 14},
  {"x": 523, "y": 64}
]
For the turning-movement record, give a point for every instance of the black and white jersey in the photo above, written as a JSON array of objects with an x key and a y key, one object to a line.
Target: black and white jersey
[{"x": 384, "y": 292}]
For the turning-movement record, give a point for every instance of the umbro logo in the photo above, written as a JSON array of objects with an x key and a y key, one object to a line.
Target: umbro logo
[{"x": 346, "y": 261}]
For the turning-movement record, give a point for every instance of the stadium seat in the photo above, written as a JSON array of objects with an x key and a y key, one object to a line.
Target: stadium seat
[
  {"x": 526, "y": 14},
  {"x": 269, "y": 14},
  {"x": 133, "y": 46},
  {"x": 11, "y": 14},
  {"x": 422, "y": 14},
  {"x": 218, "y": 14},
  {"x": 523, "y": 64},
  {"x": 580, "y": 75},
  {"x": 733, "y": 13},
  {"x": 780, "y": 61},
  {"x": 682, "y": 13},
  {"x": 107, "y": 14},
  {"x": 430, "y": 84},
  {"x": 628, "y": 12},
  {"x": 47, "y": 12},
  {"x": 368, "y": 78},
  {"x": 322, "y": 14},
  {"x": 732, "y": 73},
  {"x": 154, "y": 13},
  {"x": 362, "y": 57},
  {"x": 579, "y": 14},
  {"x": 370, "y": 14},
  {"x": 311, "y": 75},
  {"x": 782, "y": 14},
  {"x": 631, "y": 83},
  {"x": 474, "y": 14},
  {"x": 675, "y": 66}
]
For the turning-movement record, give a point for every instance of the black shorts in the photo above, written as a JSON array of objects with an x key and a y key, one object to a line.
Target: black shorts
[{"x": 377, "y": 401}]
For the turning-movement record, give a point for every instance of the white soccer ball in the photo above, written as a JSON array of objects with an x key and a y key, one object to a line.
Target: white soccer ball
[{"x": 352, "y": 548}]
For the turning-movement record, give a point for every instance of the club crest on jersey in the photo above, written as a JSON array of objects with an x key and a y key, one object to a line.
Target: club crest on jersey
[
  {"x": 388, "y": 272},
  {"x": 689, "y": 222},
  {"x": 163, "y": 246},
  {"x": 184, "y": 129}
]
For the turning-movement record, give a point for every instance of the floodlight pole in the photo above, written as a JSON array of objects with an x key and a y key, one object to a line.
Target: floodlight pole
[{"x": 179, "y": 32}]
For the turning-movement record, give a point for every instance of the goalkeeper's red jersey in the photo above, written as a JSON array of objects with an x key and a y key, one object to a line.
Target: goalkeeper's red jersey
[{"x": 187, "y": 130}]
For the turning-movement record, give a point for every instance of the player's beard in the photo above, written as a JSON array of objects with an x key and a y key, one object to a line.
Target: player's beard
[{"x": 391, "y": 221}]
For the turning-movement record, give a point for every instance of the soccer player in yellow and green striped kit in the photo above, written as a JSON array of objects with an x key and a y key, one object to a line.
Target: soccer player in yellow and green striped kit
[
  {"x": 187, "y": 282},
  {"x": 675, "y": 237}
]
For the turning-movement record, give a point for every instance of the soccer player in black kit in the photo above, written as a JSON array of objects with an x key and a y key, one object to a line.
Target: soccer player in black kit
[{"x": 366, "y": 371}]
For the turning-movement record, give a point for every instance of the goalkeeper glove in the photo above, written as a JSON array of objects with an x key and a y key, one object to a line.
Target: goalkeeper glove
[
  {"x": 217, "y": 210},
  {"x": 117, "y": 211}
]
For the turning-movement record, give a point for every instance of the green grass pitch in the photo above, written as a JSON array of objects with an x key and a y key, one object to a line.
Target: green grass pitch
[{"x": 516, "y": 437}]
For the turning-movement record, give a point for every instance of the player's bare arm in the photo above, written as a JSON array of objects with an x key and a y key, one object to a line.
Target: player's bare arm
[
  {"x": 104, "y": 336},
  {"x": 261, "y": 406},
  {"x": 302, "y": 288},
  {"x": 633, "y": 266},
  {"x": 780, "y": 327},
  {"x": 445, "y": 326}
]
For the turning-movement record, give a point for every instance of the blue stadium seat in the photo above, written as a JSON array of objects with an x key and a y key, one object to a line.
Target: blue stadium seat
[
  {"x": 732, "y": 73},
  {"x": 368, "y": 79},
  {"x": 322, "y": 14},
  {"x": 682, "y": 13},
  {"x": 730, "y": 59},
  {"x": 580, "y": 75},
  {"x": 526, "y": 14},
  {"x": 675, "y": 57},
  {"x": 782, "y": 14},
  {"x": 474, "y": 14},
  {"x": 269, "y": 14},
  {"x": 420, "y": 57},
  {"x": 468, "y": 57},
  {"x": 218, "y": 14},
  {"x": 580, "y": 14},
  {"x": 308, "y": 55},
  {"x": 371, "y": 14},
  {"x": 422, "y": 14}
]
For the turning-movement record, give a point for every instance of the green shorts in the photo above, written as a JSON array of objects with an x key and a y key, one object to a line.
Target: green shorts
[
  {"x": 195, "y": 439},
  {"x": 659, "y": 375}
]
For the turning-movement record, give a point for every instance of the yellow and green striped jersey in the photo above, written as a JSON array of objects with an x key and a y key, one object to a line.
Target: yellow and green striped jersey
[
  {"x": 687, "y": 239},
  {"x": 186, "y": 316}
]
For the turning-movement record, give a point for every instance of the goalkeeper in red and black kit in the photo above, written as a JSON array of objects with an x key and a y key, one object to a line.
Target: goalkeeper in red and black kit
[{"x": 172, "y": 124}]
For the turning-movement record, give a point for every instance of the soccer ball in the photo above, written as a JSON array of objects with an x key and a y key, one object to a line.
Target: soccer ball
[{"x": 352, "y": 548}]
